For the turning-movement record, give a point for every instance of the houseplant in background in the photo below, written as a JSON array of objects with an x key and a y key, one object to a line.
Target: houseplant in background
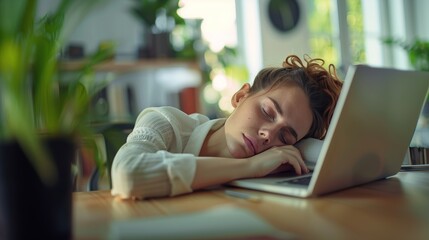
[
  {"x": 417, "y": 51},
  {"x": 42, "y": 118},
  {"x": 158, "y": 18}
]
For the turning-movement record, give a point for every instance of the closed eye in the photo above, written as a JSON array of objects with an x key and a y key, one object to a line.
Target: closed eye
[
  {"x": 266, "y": 114},
  {"x": 287, "y": 136}
]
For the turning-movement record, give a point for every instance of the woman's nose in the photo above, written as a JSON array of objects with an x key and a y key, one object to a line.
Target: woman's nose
[{"x": 265, "y": 134}]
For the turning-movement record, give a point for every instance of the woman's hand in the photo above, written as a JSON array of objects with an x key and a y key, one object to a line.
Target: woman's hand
[{"x": 277, "y": 158}]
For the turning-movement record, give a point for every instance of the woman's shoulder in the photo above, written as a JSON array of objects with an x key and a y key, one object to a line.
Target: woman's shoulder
[{"x": 172, "y": 115}]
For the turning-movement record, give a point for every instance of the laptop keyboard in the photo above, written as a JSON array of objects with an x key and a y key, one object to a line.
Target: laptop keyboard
[{"x": 298, "y": 181}]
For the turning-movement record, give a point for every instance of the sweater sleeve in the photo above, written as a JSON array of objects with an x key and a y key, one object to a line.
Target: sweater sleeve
[
  {"x": 310, "y": 148},
  {"x": 145, "y": 166}
]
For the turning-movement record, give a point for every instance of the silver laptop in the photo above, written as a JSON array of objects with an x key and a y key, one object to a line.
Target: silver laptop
[{"x": 370, "y": 132}]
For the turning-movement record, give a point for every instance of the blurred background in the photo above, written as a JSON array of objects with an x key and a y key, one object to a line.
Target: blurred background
[{"x": 194, "y": 54}]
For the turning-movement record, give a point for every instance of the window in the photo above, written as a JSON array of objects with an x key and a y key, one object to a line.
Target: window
[
  {"x": 322, "y": 39},
  {"x": 336, "y": 30}
]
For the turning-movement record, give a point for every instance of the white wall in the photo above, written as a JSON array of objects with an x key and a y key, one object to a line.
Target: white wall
[
  {"x": 276, "y": 45},
  {"x": 261, "y": 44},
  {"x": 109, "y": 21}
]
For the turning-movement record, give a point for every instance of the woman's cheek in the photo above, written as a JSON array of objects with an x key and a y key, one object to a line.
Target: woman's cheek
[{"x": 237, "y": 151}]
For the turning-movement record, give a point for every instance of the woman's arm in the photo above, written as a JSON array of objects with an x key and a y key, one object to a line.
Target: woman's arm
[
  {"x": 212, "y": 171},
  {"x": 141, "y": 173}
]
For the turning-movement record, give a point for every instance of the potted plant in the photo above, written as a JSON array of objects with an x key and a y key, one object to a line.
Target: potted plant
[
  {"x": 417, "y": 51},
  {"x": 158, "y": 17},
  {"x": 42, "y": 118}
]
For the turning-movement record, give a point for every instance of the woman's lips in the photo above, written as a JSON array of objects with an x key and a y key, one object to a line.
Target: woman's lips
[{"x": 250, "y": 144}]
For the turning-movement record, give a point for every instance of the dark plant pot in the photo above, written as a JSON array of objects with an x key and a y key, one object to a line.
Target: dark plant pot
[
  {"x": 162, "y": 45},
  {"x": 29, "y": 209},
  {"x": 158, "y": 45}
]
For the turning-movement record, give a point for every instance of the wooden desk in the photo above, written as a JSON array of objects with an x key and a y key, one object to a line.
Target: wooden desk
[{"x": 395, "y": 208}]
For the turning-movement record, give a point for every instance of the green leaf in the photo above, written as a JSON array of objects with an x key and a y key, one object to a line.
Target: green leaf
[
  {"x": 11, "y": 15},
  {"x": 417, "y": 51}
]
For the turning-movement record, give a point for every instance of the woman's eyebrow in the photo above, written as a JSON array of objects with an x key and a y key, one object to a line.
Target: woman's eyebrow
[
  {"x": 276, "y": 105},
  {"x": 279, "y": 110}
]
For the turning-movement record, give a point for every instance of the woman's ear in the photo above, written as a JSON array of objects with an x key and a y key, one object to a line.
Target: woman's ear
[{"x": 240, "y": 95}]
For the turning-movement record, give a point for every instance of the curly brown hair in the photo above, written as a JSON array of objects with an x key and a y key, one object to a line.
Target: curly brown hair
[{"x": 321, "y": 85}]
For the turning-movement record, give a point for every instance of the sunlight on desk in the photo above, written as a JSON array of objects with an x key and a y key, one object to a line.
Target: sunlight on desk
[{"x": 215, "y": 223}]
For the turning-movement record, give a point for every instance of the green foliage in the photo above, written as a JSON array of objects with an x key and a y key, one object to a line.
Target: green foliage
[
  {"x": 185, "y": 42},
  {"x": 34, "y": 101},
  {"x": 355, "y": 23},
  {"x": 417, "y": 51},
  {"x": 147, "y": 10}
]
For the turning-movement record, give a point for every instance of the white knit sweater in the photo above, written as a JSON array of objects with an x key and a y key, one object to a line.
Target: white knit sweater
[{"x": 159, "y": 157}]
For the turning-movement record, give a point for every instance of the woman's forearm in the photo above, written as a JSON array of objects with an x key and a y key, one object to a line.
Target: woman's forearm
[{"x": 215, "y": 170}]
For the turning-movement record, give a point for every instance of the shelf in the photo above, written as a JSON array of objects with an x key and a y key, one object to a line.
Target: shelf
[{"x": 124, "y": 66}]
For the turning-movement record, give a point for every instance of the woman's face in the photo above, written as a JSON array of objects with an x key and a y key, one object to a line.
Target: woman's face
[{"x": 281, "y": 116}]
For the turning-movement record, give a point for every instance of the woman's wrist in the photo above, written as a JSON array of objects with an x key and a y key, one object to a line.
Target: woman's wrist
[
  {"x": 211, "y": 171},
  {"x": 243, "y": 168}
]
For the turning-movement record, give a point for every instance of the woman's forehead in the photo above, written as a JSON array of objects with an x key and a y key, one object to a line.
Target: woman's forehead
[{"x": 284, "y": 89}]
